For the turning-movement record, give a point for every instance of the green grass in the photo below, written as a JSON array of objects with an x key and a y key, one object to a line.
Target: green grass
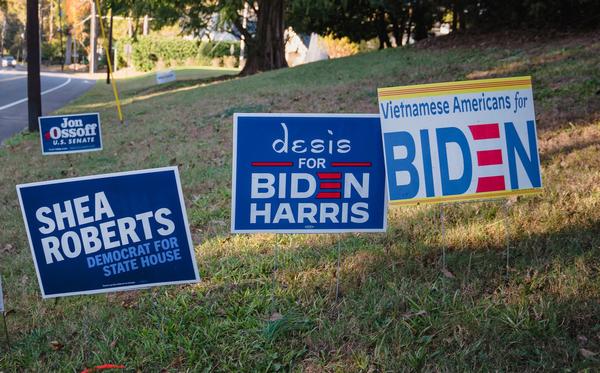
[{"x": 397, "y": 310}]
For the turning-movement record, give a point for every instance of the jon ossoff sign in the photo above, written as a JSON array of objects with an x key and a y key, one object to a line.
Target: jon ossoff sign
[
  {"x": 308, "y": 174},
  {"x": 64, "y": 134},
  {"x": 108, "y": 232},
  {"x": 460, "y": 140}
]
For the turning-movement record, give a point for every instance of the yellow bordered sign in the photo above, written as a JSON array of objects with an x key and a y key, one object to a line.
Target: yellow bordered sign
[{"x": 460, "y": 140}]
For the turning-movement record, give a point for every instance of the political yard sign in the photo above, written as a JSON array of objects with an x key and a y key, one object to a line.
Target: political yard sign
[
  {"x": 307, "y": 173},
  {"x": 460, "y": 140},
  {"x": 110, "y": 232},
  {"x": 63, "y": 134},
  {"x": 165, "y": 76}
]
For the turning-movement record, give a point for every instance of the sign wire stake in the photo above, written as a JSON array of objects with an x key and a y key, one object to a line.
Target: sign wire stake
[
  {"x": 443, "y": 236},
  {"x": 337, "y": 272},
  {"x": 274, "y": 276},
  {"x": 468, "y": 269},
  {"x": 6, "y": 330},
  {"x": 507, "y": 231}
]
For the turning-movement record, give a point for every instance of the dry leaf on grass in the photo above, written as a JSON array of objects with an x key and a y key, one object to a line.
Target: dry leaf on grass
[
  {"x": 56, "y": 345},
  {"x": 447, "y": 273},
  {"x": 408, "y": 315},
  {"x": 275, "y": 316},
  {"x": 587, "y": 353}
]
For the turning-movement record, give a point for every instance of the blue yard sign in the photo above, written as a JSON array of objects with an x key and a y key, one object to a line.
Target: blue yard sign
[
  {"x": 308, "y": 173},
  {"x": 110, "y": 232},
  {"x": 77, "y": 133}
]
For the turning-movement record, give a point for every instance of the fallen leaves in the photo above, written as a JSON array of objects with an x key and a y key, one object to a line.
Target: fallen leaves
[
  {"x": 447, "y": 273},
  {"x": 56, "y": 345},
  {"x": 587, "y": 353}
]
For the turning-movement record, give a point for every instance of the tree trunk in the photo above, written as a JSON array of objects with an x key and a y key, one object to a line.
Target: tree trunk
[
  {"x": 454, "y": 16},
  {"x": 266, "y": 48},
  {"x": 51, "y": 22},
  {"x": 460, "y": 13},
  {"x": 129, "y": 27},
  {"x": 146, "y": 26},
  {"x": 382, "y": 35},
  {"x": 68, "y": 49},
  {"x": 419, "y": 18},
  {"x": 410, "y": 23},
  {"x": 396, "y": 31}
]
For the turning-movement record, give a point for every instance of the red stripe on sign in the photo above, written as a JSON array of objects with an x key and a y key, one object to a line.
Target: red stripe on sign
[
  {"x": 490, "y": 184},
  {"x": 329, "y": 195},
  {"x": 485, "y": 131},
  {"x": 329, "y": 175},
  {"x": 351, "y": 164},
  {"x": 330, "y": 185},
  {"x": 272, "y": 164},
  {"x": 489, "y": 157}
]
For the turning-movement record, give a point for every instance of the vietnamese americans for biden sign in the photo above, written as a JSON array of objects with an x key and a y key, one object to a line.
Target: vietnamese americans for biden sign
[
  {"x": 108, "y": 232},
  {"x": 77, "y": 133},
  {"x": 460, "y": 140},
  {"x": 308, "y": 173}
]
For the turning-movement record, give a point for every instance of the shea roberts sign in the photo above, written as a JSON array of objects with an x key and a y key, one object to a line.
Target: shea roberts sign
[
  {"x": 108, "y": 232},
  {"x": 299, "y": 173},
  {"x": 62, "y": 134},
  {"x": 460, "y": 140}
]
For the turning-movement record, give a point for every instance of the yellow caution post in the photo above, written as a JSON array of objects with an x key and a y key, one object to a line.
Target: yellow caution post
[{"x": 110, "y": 69}]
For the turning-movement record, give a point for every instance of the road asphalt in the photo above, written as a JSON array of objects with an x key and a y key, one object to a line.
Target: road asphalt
[{"x": 57, "y": 90}]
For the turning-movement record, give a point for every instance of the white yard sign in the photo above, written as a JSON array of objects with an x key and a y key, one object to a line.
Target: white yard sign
[{"x": 165, "y": 76}]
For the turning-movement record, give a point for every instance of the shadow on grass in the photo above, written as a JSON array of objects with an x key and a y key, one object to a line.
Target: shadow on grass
[{"x": 178, "y": 84}]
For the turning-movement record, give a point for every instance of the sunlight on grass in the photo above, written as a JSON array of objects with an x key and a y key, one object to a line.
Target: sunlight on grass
[{"x": 397, "y": 309}]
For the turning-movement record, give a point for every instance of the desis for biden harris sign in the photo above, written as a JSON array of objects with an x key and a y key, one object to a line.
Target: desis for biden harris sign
[
  {"x": 300, "y": 173},
  {"x": 78, "y": 133},
  {"x": 460, "y": 140},
  {"x": 108, "y": 232}
]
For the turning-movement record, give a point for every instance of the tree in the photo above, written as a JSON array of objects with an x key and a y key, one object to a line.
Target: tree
[{"x": 265, "y": 46}]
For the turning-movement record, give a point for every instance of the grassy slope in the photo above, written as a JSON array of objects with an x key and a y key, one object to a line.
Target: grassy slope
[{"x": 397, "y": 310}]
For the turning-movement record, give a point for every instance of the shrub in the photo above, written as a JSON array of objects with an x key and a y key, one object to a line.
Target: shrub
[
  {"x": 51, "y": 52},
  {"x": 341, "y": 47},
  {"x": 148, "y": 50}
]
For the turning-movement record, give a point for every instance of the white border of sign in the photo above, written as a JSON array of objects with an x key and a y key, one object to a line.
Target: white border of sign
[
  {"x": 304, "y": 231},
  {"x": 102, "y": 176},
  {"x": 71, "y": 151}
]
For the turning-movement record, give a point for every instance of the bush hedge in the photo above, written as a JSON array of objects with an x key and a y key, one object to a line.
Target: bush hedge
[{"x": 148, "y": 51}]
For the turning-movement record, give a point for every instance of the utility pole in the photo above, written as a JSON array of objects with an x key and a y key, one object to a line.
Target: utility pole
[
  {"x": 3, "y": 34},
  {"x": 93, "y": 57},
  {"x": 60, "y": 30},
  {"x": 34, "y": 103}
]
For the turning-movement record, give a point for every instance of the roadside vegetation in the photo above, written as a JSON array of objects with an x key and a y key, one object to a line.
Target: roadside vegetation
[{"x": 397, "y": 309}]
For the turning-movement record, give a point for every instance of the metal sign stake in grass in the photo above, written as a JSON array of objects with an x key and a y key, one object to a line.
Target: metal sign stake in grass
[
  {"x": 307, "y": 173},
  {"x": 3, "y": 314}
]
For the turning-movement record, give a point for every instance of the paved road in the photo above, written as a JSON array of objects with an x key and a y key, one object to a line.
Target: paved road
[{"x": 57, "y": 90}]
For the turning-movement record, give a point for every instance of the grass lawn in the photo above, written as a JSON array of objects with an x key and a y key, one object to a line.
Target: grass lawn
[{"x": 397, "y": 310}]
